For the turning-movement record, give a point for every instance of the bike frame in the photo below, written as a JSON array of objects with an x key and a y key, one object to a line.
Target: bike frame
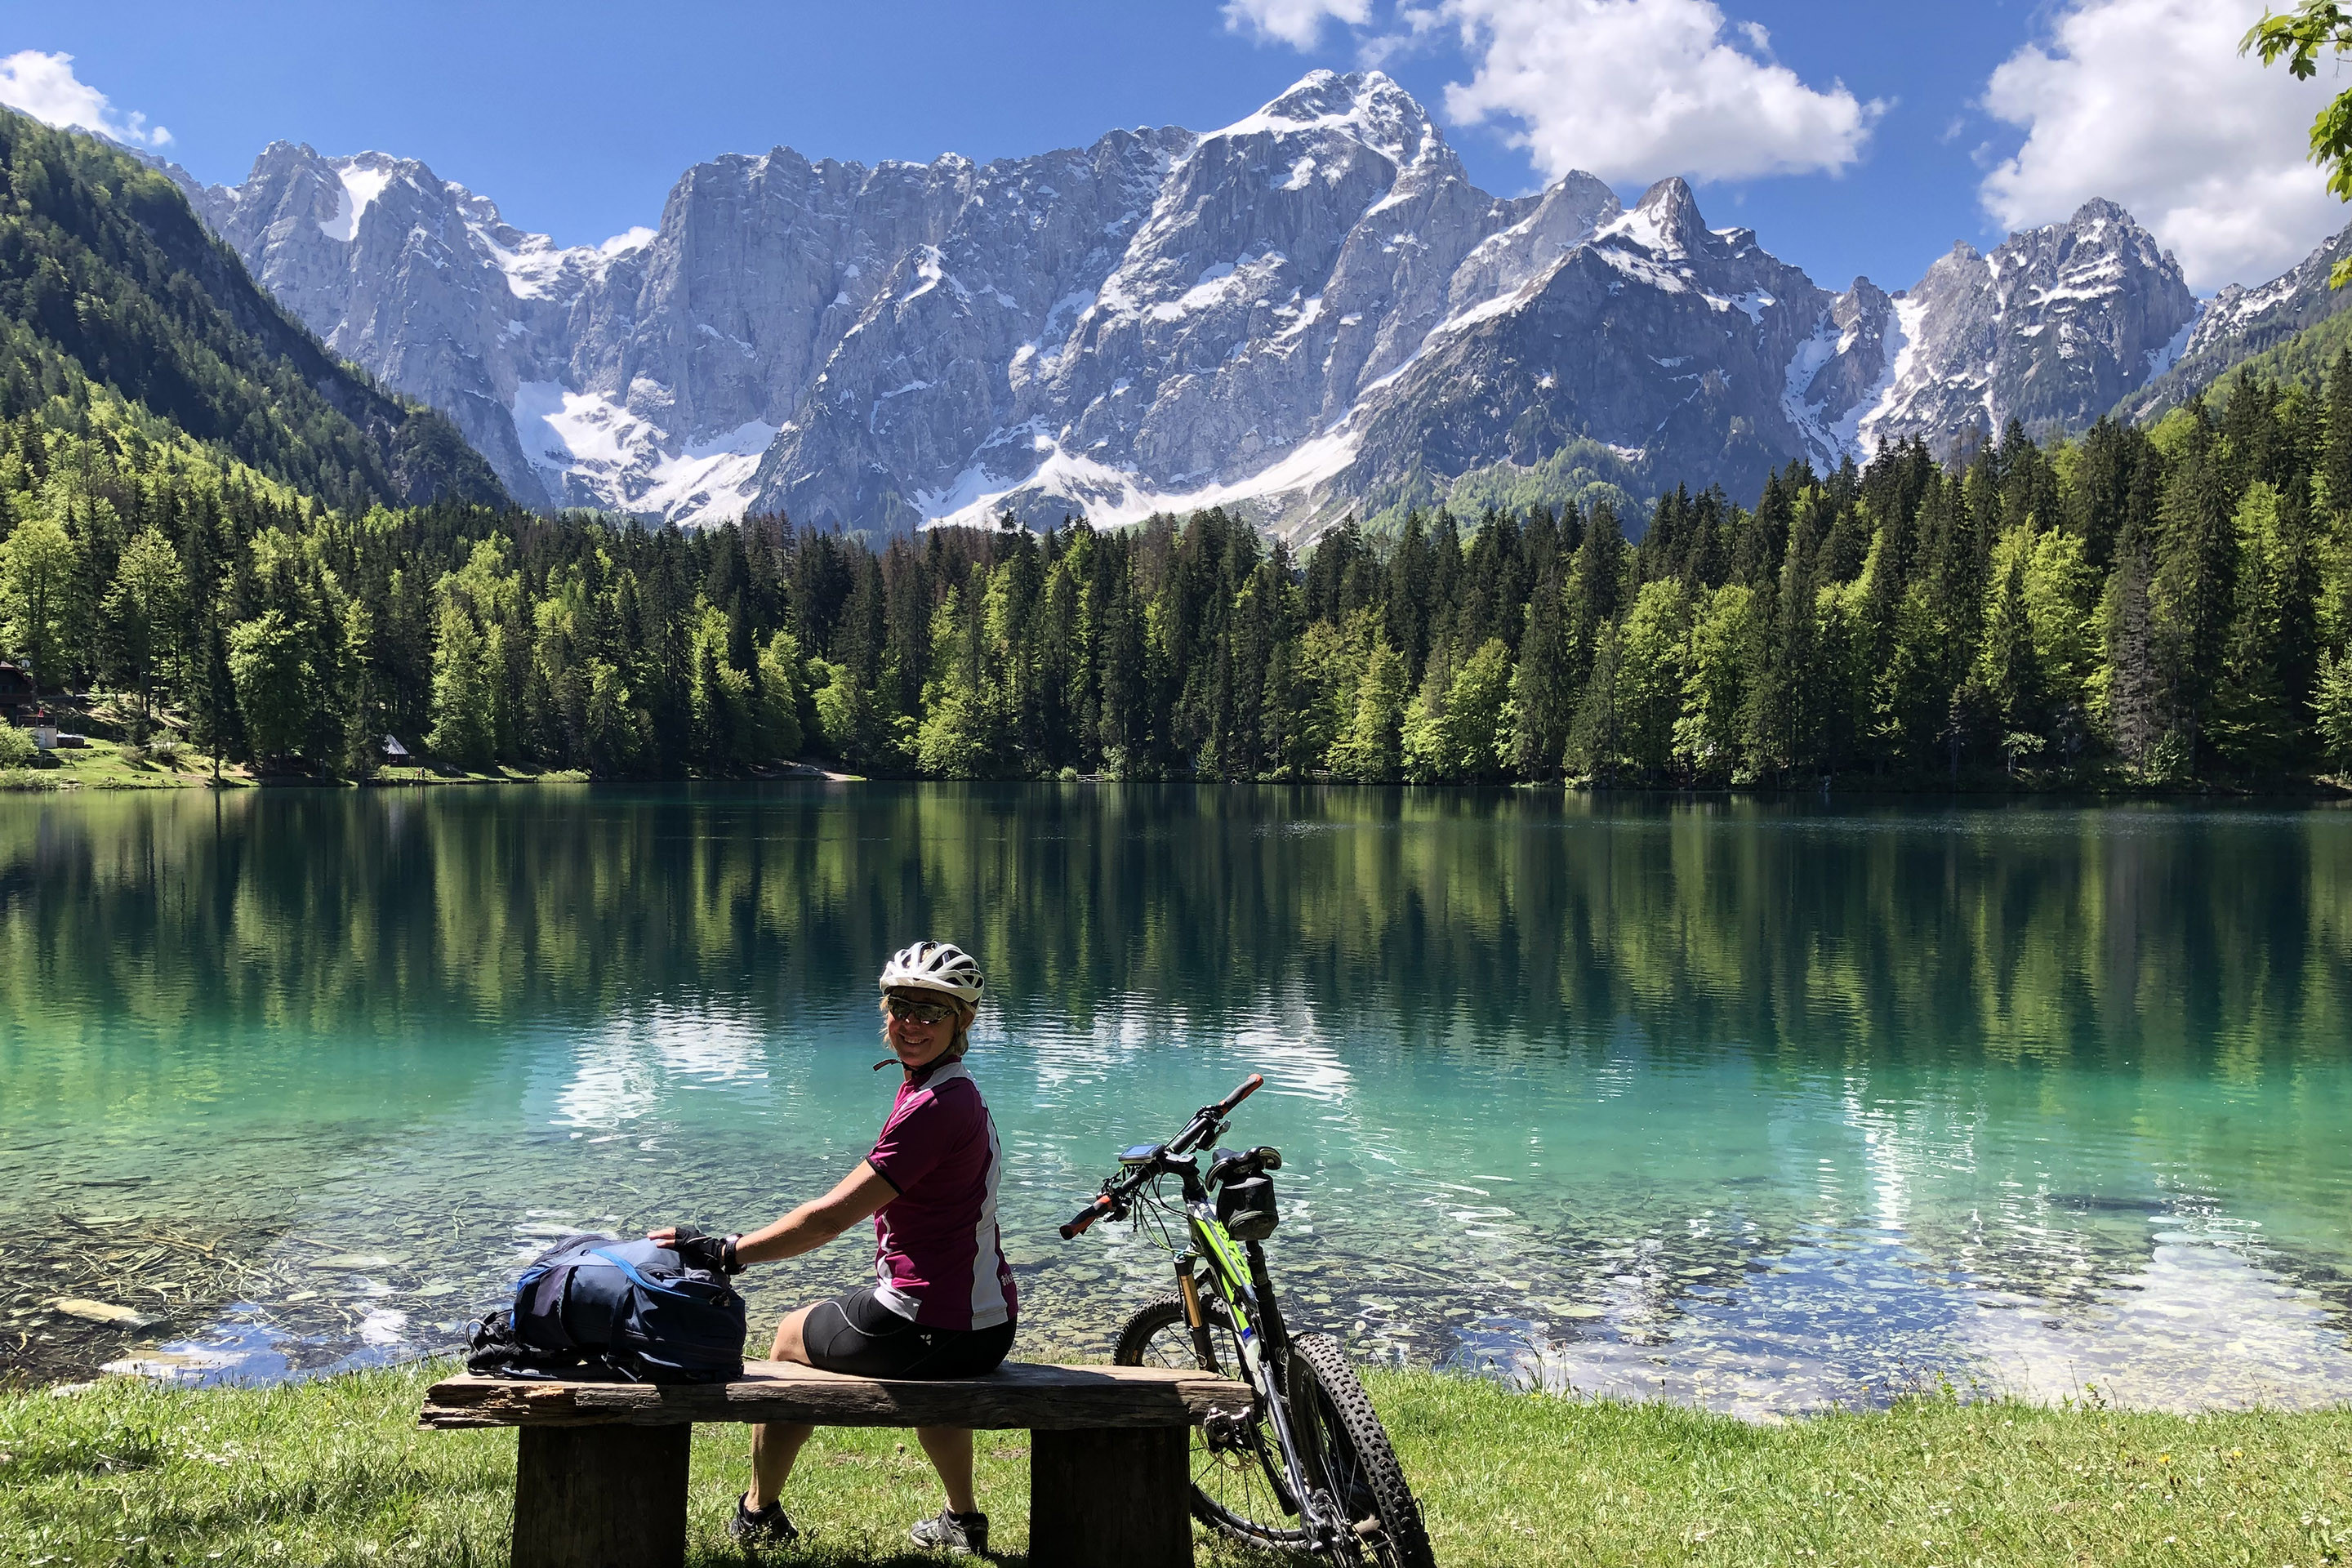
[{"x": 1238, "y": 1268}]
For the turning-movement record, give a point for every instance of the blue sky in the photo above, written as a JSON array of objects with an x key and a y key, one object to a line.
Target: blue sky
[{"x": 1901, "y": 128}]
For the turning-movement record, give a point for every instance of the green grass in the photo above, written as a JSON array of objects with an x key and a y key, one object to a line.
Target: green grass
[
  {"x": 334, "y": 1472},
  {"x": 103, "y": 764}
]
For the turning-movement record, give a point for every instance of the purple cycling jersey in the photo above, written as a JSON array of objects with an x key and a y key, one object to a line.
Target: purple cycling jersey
[{"x": 937, "y": 1257}]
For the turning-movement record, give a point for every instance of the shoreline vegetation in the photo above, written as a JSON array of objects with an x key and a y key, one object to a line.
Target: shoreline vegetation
[
  {"x": 2130, "y": 610},
  {"x": 104, "y": 765},
  {"x": 334, "y": 1470}
]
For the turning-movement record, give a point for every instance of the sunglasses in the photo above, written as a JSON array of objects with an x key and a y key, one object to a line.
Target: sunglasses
[{"x": 915, "y": 1012}]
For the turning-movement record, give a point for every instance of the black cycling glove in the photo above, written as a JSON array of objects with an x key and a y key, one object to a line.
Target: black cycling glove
[{"x": 715, "y": 1254}]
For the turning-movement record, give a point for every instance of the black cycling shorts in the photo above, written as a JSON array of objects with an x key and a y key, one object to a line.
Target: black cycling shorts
[{"x": 856, "y": 1333}]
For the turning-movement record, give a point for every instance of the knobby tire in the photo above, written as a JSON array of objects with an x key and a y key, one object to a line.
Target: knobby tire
[
  {"x": 1239, "y": 1493},
  {"x": 1333, "y": 1418}
]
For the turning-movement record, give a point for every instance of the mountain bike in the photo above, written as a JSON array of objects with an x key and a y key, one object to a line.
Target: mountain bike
[{"x": 1307, "y": 1466}]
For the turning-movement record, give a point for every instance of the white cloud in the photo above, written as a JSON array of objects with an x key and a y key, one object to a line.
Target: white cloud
[
  {"x": 45, "y": 87},
  {"x": 1635, "y": 90},
  {"x": 1627, "y": 90},
  {"x": 1299, "y": 22},
  {"x": 2148, "y": 104}
]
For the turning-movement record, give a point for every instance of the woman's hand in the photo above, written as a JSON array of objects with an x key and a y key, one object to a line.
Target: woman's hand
[{"x": 696, "y": 1249}]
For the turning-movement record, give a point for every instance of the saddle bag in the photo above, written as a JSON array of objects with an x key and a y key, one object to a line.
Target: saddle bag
[
  {"x": 1247, "y": 1209},
  {"x": 630, "y": 1309}
]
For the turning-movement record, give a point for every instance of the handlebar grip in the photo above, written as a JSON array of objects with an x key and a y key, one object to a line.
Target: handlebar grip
[
  {"x": 1249, "y": 1086},
  {"x": 1087, "y": 1216}
]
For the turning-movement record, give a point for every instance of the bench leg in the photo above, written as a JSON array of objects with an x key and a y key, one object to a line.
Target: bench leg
[
  {"x": 1122, "y": 1496},
  {"x": 601, "y": 1496}
]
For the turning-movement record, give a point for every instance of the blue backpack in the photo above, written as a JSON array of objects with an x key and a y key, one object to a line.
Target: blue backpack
[{"x": 624, "y": 1309}]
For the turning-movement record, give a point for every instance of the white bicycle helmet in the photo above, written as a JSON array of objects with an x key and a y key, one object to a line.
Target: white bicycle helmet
[{"x": 935, "y": 966}]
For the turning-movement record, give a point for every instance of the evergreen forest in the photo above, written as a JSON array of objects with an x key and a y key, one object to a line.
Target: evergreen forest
[{"x": 2157, "y": 605}]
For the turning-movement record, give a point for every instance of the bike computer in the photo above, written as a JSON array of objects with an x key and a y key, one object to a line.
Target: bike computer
[{"x": 1141, "y": 1155}]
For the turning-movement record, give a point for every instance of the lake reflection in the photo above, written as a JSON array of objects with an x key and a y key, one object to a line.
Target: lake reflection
[{"x": 1758, "y": 1105}]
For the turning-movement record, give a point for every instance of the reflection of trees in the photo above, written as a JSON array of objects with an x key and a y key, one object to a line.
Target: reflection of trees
[
  {"x": 1864, "y": 978},
  {"x": 2152, "y": 940}
]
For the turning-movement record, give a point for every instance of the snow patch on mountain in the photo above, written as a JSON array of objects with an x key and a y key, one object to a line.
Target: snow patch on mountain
[
  {"x": 1891, "y": 398},
  {"x": 713, "y": 479},
  {"x": 565, "y": 433},
  {"x": 594, "y": 451},
  {"x": 1113, "y": 497},
  {"x": 1370, "y": 108},
  {"x": 357, "y": 186},
  {"x": 2161, "y": 360}
]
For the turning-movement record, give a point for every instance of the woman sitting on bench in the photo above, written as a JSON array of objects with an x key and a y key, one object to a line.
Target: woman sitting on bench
[{"x": 941, "y": 1304}]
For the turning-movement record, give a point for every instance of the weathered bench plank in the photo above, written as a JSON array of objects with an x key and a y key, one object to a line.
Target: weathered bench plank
[{"x": 1016, "y": 1394}]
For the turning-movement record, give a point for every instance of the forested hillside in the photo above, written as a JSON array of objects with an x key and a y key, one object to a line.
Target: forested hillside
[
  {"x": 2158, "y": 605},
  {"x": 109, "y": 284}
]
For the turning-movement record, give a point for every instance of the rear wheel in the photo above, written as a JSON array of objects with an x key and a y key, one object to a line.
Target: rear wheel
[
  {"x": 1348, "y": 1450},
  {"x": 1238, "y": 1487}
]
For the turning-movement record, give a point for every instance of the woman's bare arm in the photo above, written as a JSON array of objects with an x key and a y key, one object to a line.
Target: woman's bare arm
[{"x": 814, "y": 1224}]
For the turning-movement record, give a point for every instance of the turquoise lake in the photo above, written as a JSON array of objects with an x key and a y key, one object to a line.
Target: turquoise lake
[{"x": 1765, "y": 1106}]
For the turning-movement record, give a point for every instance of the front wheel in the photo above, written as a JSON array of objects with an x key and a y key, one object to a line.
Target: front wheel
[
  {"x": 1344, "y": 1441},
  {"x": 1238, "y": 1487}
]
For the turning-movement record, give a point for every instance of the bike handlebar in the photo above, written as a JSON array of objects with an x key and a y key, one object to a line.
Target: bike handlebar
[
  {"x": 1204, "y": 1126},
  {"x": 1095, "y": 1209}
]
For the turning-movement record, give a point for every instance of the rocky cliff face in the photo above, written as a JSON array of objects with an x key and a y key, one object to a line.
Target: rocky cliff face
[
  {"x": 2240, "y": 322},
  {"x": 2050, "y": 329},
  {"x": 1309, "y": 312}
]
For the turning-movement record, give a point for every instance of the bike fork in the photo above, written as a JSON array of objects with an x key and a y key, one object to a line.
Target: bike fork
[{"x": 1189, "y": 1288}]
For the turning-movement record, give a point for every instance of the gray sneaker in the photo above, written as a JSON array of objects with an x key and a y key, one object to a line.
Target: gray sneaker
[
  {"x": 769, "y": 1527},
  {"x": 953, "y": 1532}
]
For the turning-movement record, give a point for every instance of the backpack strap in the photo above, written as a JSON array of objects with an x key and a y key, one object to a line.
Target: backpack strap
[{"x": 639, "y": 1281}]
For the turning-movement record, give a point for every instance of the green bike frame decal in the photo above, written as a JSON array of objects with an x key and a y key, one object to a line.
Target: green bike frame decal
[{"x": 1224, "y": 1252}]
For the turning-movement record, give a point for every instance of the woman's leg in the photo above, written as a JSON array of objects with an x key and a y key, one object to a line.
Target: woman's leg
[
  {"x": 776, "y": 1444},
  {"x": 949, "y": 1448}
]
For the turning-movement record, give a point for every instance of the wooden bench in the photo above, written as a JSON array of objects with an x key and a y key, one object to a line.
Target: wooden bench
[{"x": 599, "y": 1480}]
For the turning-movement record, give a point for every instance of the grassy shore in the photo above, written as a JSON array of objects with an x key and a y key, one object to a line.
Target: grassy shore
[
  {"x": 106, "y": 765},
  {"x": 334, "y": 1472}
]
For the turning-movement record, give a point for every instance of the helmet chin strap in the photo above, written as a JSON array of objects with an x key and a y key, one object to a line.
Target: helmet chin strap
[{"x": 895, "y": 1062}]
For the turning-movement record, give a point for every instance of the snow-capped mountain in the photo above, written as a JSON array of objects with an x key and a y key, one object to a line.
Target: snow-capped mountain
[
  {"x": 2057, "y": 323},
  {"x": 1309, "y": 312},
  {"x": 2240, "y": 322}
]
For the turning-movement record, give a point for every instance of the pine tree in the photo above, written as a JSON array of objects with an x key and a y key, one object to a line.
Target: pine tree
[
  {"x": 1372, "y": 749},
  {"x": 2194, "y": 590},
  {"x": 464, "y": 730},
  {"x": 2336, "y": 458},
  {"x": 267, "y": 659},
  {"x": 2008, "y": 671},
  {"x": 2332, "y": 707},
  {"x": 2138, "y": 710},
  {"x": 1540, "y": 695},
  {"x": 38, "y": 570},
  {"x": 2250, "y": 727},
  {"x": 142, "y": 617},
  {"x": 1596, "y": 743}
]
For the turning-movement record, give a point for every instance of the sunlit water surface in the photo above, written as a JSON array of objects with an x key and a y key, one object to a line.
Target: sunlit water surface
[{"x": 1760, "y": 1106}]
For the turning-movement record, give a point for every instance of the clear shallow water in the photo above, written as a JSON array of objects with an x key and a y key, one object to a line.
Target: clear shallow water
[{"x": 1760, "y": 1106}]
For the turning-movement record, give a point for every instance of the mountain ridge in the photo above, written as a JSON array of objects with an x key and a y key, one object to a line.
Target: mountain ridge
[
  {"x": 1307, "y": 313},
  {"x": 108, "y": 277}
]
